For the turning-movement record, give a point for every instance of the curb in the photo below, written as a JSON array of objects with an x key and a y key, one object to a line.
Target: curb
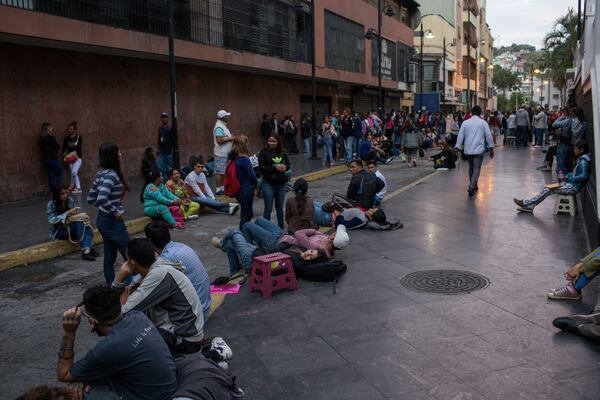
[{"x": 56, "y": 248}]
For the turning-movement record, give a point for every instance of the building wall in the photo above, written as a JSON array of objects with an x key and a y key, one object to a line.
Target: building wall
[{"x": 120, "y": 99}]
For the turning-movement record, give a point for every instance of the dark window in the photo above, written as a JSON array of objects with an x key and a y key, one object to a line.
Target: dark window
[
  {"x": 430, "y": 72},
  {"x": 344, "y": 43},
  {"x": 388, "y": 59}
]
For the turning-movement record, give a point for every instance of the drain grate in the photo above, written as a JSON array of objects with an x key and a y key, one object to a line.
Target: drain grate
[{"x": 445, "y": 281}]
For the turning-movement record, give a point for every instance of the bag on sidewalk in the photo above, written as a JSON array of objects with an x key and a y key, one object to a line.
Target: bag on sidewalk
[{"x": 327, "y": 271}]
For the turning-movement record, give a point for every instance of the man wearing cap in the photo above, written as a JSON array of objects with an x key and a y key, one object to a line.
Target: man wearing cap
[
  {"x": 223, "y": 140},
  {"x": 166, "y": 143}
]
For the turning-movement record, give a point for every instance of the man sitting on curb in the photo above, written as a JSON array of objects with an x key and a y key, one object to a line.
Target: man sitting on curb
[
  {"x": 158, "y": 233},
  {"x": 172, "y": 301},
  {"x": 200, "y": 192},
  {"x": 577, "y": 277},
  {"x": 132, "y": 361}
]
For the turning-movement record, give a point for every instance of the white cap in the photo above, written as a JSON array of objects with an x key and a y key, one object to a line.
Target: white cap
[
  {"x": 341, "y": 238},
  {"x": 222, "y": 114}
]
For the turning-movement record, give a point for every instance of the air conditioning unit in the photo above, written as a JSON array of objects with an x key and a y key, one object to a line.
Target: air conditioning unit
[{"x": 412, "y": 72}]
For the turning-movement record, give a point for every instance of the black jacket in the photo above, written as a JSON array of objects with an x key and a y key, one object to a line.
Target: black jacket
[
  {"x": 50, "y": 148},
  {"x": 266, "y": 164},
  {"x": 363, "y": 187},
  {"x": 265, "y": 129},
  {"x": 347, "y": 127}
]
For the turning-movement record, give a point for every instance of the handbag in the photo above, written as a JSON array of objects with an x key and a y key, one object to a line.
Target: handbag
[
  {"x": 79, "y": 217},
  {"x": 421, "y": 152},
  {"x": 71, "y": 157}
]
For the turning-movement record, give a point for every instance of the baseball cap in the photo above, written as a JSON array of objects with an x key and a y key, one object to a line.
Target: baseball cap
[
  {"x": 223, "y": 113},
  {"x": 164, "y": 114},
  {"x": 341, "y": 238}
]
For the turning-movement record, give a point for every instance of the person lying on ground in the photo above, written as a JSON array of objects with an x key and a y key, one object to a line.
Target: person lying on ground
[
  {"x": 201, "y": 193},
  {"x": 372, "y": 168},
  {"x": 159, "y": 203},
  {"x": 160, "y": 237},
  {"x": 578, "y": 276},
  {"x": 363, "y": 186},
  {"x": 170, "y": 299},
  {"x": 60, "y": 210},
  {"x": 575, "y": 181},
  {"x": 189, "y": 209},
  {"x": 354, "y": 218},
  {"x": 299, "y": 209},
  {"x": 445, "y": 159},
  {"x": 132, "y": 360}
]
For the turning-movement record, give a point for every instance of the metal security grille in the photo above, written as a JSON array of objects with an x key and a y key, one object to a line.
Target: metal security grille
[
  {"x": 344, "y": 43},
  {"x": 277, "y": 28}
]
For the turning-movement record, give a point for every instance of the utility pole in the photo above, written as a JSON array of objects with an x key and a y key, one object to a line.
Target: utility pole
[
  {"x": 444, "y": 76},
  {"x": 421, "y": 70},
  {"x": 468, "y": 63},
  {"x": 173, "y": 82},
  {"x": 313, "y": 78},
  {"x": 380, "y": 92}
]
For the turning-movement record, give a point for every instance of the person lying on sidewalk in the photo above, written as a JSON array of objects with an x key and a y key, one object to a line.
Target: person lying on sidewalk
[
  {"x": 575, "y": 181},
  {"x": 168, "y": 296},
  {"x": 353, "y": 218},
  {"x": 240, "y": 251},
  {"x": 578, "y": 276},
  {"x": 159, "y": 203},
  {"x": 200, "y": 192},
  {"x": 189, "y": 209}
]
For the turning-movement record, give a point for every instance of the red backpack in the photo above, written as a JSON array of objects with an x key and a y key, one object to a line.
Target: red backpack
[{"x": 231, "y": 181}]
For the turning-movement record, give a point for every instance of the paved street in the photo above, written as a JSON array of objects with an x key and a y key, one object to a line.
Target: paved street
[{"x": 374, "y": 338}]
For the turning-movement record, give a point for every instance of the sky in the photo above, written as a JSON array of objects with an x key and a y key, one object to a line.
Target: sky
[{"x": 524, "y": 21}]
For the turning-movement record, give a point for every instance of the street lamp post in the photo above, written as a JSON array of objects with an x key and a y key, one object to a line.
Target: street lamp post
[
  {"x": 173, "y": 84},
  {"x": 428, "y": 34},
  {"x": 371, "y": 33},
  {"x": 313, "y": 78}
]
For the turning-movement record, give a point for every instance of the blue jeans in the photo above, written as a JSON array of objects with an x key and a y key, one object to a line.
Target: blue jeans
[
  {"x": 79, "y": 232},
  {"x": 306, "y": 146},
  {"x": 101, "y": 393},
  {"x": 262, "y": 232},
  {"x": 328, "y": 157},
  {"x": 165, "y": 164},
  {"x": 239, "y": 251},
  {"x": 583, "y": 280},
  {"x": 539, "y": 137},
  {"x": 116, "y": 238},
  {"x": 273, "y": 193},
  {"x": 246, "y": 199},
  {"x": 55, "y": 174},
  {"x": 212, "y": 203},
  {"x": 563, "y": 158},
  {"x": 322, "y": 218},
  {"x": 349, "y": 144}
]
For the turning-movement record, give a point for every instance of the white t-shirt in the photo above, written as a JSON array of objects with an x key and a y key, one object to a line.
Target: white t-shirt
[
  {"x": 194, "y": 180},
  {"x": 221, "y": 130}
]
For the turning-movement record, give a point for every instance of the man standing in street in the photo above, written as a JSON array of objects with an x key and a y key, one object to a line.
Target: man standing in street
[
  {"x": 540, "y": 124},
  {"x": 223, "y": 140},
  {"x": 265, "y": 127},
  {"x": 166, "y": 143},
  {"x": 476, "y": 136},
  {"x": 523, "y": 125}
]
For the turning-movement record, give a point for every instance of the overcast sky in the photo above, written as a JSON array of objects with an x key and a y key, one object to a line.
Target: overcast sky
[{"x": 524, "y": 21}]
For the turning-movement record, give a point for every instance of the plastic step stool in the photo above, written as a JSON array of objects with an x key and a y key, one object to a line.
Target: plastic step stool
[
  {"x": 565, "y": 204},
  {"x": 272, "y": 272}
]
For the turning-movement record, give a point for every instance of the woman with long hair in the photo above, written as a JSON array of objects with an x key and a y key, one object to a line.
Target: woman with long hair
[
  {"x": 159, "y": 202},
  {"x": 106, "y": 193},
  {"x": 273, "y": 164},
  {"x": 299, "y": 212},
  {"x": 72, "y": 155},
  {"x": 50, "y": 149},
  {"x": 59, "y": 211},
  {"x": 246, "y": 177}
]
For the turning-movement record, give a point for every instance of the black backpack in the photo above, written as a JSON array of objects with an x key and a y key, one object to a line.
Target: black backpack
[{"x": 327, "y": 271}]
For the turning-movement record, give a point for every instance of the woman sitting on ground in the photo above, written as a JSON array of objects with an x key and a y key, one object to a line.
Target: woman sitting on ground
[
  {"x": 59, "y": 210},
  {"x": 189, "y": 209},
  {"x": 445, "y": 159},
  {"x": 159, "y": 203},
  {"x": 575, "y": 180},
  {"x": 299, "y": 209}
]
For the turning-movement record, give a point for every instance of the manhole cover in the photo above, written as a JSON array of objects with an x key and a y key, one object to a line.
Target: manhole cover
[{"x": 445, "y": 281}]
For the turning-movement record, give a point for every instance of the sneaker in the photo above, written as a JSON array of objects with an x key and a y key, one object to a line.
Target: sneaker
[
  {"x": 525, "y": 209},
  {"x": 546, "y": 169},
  {"x": 88, "y": 256},
  {"x": 389, "y": 160},
  {"x": 218, "y": 243},
  {"x": 471, "y": 192},
  {"x": 191, "y": 217},
  {"x": 94, "y": 252},
  {"x": 219, "y": 192},
  {"x": 541, "y": 167},
  {"x": 519, "y": 202},
  {"x": 568, "y": 324},
  {"x": 222, "y": 348},
  {"x": 233, "y": 208},
  {"x": 223, "y": 365},
  {"x": 567, "y": 292},
  {"x": 442, "y": 169}
]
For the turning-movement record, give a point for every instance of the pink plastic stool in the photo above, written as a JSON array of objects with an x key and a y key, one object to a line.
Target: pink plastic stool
[{"x": 272, "y": 272}]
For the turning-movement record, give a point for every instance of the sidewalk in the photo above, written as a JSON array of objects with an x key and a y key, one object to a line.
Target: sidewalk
[{"x": 27, "y": 223}]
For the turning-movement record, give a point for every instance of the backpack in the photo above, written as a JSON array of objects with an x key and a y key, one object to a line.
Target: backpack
[
  {"x": 327, "y": 271},
  {"x": 231, "y": 181}
]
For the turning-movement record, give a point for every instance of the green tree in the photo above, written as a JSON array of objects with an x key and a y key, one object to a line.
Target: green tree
[
  {"x": 560, "y": 44},
  {"x": 504, "y": 79}
]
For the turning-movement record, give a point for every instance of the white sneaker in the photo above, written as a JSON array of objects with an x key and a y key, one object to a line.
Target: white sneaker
[
  {"x": 223, "y": 365},
  {"x": 218, "y": 243},
  {"x": 233, "y": 208},
  {"x": 224, "y": 350},
  {"x": 191, "y": 217}
]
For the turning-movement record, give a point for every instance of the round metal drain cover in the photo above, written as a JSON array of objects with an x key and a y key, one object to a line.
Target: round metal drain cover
[{"x": 445, "y": 281}]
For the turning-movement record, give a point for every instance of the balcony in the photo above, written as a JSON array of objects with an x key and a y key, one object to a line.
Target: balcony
[{"x": 470, "y": 33}]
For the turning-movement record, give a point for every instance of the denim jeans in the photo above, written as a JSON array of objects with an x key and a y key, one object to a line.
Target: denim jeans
[
  {"x": 539, "y": 137},
  {"x": 583, "y": 280},
  {"x": 165, "y": 164},
  {"x": 239, "y": 251},
  {"x": 75, "y": 166},
  {"x": 322, "y": 218},
  {"x": 246, "y": 199},
  {"x": 78, "y": 232},
  {"x": 475, "y": 161},
  {"x": 328, "y": 156},
  {"x": 563, "y": 158},
  {"x": 262, "y": 232},
  {"x": 273, "y": 193},
  {"x": 306, "y": 146},
  {"x": 116, "y": 238},
  {"x": 212, "y": 203},
  {"x": 55, "y": 174},
  {"x": 349, "y": 144}
]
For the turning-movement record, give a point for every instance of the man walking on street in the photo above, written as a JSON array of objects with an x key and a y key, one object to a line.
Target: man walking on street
[
  {"x": 476, "y": 136},
  {"x": 523, "y": 125},
  {"x": 223, "y": 140},
  {"x": 166, "y": 143}
]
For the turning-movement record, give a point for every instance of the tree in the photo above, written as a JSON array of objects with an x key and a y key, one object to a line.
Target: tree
[
  {"x": 504, "y": 79},
  {"x": 560, "y": 44}
]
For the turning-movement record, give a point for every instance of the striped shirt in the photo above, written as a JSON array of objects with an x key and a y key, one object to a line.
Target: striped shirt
[{"x": 106, "y": 192}]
